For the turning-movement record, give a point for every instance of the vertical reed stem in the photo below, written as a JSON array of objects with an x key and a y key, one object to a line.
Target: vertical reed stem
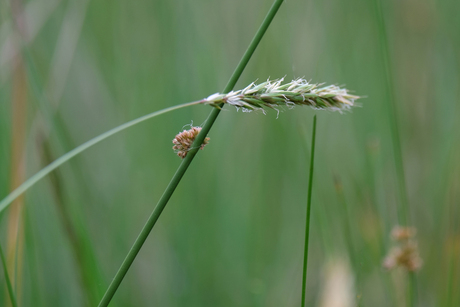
[
  {"x": 307, "y": 223},
  {"x": 186, "y": 162},
  {"x": 403, "y": 208}
]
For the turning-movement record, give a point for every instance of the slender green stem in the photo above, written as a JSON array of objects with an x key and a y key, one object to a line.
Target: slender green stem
[
  {"x": 61, "y": 160},
  {"x": 403, "y": 208},
  {"x": 307, "y": 223},
  {"x": 452, "y": 267},
  {"x": 412, "y": 290},
  {"x": 7, "y": 278},
  {"x": 186, "y": 162}
]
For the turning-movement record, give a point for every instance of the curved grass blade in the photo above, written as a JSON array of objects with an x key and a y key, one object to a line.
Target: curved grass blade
[{"x": 66, "y": 157}]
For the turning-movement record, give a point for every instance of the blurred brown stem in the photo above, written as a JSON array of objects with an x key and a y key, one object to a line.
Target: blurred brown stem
[
  {"x": 15, "y": 235},
  {"x": 76, "y": 243}
]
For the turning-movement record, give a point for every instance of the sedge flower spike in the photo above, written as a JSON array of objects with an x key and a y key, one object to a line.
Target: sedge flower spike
[
  {"x": 184, "y": 140},
  {"x": 274, "y": 94}
]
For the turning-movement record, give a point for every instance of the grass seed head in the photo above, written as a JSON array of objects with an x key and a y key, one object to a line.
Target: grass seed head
[
  {"x": 272, "y": 94},
  {"x": 184, "y": 140}
]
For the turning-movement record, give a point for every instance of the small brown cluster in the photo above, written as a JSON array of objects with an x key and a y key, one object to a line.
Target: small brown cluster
[
  {"x": 405, "y": 254},
  {"x": 184, "y": 140}
]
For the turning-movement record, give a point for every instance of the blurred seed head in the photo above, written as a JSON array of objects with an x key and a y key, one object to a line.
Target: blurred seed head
[
  {"x": 274, "y": 94},
  {"x": 405, "y": 254},
  {"x": 184, "y": 140}
]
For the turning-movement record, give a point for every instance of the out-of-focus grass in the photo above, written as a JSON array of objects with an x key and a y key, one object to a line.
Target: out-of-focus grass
[{"x": 244, "y": 246}]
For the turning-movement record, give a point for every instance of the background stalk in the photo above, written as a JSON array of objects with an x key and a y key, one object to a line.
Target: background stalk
[
  {"x": 307, "y": 221},
  {"x": 187, "y": 160},
  {"x": 7, "y": 279},
  {"x": 403, "y": 208},
  {"x": 15, "y": 220},
  {"x": 344, "y": 211},
  {"x": 87, "y": 268}
]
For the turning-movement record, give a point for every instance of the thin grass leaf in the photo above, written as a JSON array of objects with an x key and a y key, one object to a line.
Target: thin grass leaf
[{"x": 61, "y": 160}]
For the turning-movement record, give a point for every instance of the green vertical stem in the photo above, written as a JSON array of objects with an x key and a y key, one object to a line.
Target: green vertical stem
[
  {"x": 7, "y": 278},
  {"x": 307, "y": 223},
  {"x": 452, "y": 267},
  {"x": 186, "y": 162},
  {"x": 403, "y": 208},
  {"x": 412, "y": 290}
]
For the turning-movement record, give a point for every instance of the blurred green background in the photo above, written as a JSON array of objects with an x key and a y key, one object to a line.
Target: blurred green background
[{"x": 232, "y": 234}]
